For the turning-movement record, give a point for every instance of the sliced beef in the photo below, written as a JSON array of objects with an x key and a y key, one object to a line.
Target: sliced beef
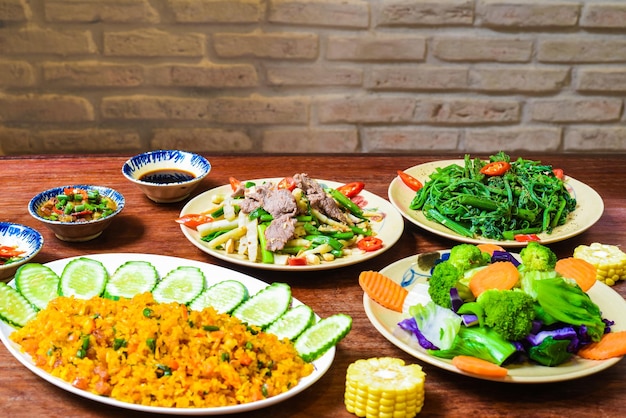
[
  {"x": 318, "y": 198},
  {"x": 280, "y": 202},
  {"x": 279, "y": 231},
  {"x": 254, "y": 200}
]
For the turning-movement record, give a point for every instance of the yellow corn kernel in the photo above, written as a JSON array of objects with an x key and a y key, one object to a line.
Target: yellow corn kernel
[
  {"x": 609, "y": 260},
  {"x": 384, "y": 387}
]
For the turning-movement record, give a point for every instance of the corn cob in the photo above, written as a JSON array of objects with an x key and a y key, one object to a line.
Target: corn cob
[
  {"x": 384, "y": 387},
  {"x": 609, "y": 260}
]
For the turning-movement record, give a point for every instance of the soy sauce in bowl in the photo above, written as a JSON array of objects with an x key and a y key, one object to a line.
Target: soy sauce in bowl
[{"x": 167, "y": 176}]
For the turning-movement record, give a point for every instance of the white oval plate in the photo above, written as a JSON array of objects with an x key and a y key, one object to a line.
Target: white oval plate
[
  {"x": 408, "y": 273},
  {"x": 589, "y": 208},
  {"x": 389, "y": 229},
  {"x": 164, "y": 264}
]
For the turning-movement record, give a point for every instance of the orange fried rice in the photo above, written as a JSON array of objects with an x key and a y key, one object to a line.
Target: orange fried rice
[{"x": 142, "y": 352}]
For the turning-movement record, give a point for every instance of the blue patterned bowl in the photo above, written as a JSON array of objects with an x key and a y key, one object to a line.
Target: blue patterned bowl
[
  {"x": 76, "y": 231},
  {"x": 22, "y": 238},
  {"x": 166, "y": 176}
]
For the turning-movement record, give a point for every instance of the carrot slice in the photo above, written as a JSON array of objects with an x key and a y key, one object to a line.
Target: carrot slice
[
  {"x": 479, "y": 366},
  {"x": 611, "y": 345},
  {"x": 383, "y": 290},
  {"x": 501, "y": 275},
  {"x": 578, "y": 269},
  {"x": 489, "y": 248}
]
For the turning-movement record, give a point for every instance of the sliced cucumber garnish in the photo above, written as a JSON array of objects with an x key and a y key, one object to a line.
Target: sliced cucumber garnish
[
  {"x": 182, "y": 285},
  {"x": 83, "y": 278},
  {"x": 266, "y": 306},
  {"x": 130, "y": 279},
  {"x": 292, "y": 323},
  {"x": 37, "y": 283},
  {"x": 321, "y": 336},
  {"x": 14, "y": 308},
  {"x": 223, "y": 297}
]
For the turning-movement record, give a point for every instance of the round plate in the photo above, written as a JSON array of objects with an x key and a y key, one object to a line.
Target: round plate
[
  {"x": 389, "y": 229},
  {"x": 588, "y": 210},
  {"x": 164, "y": 264},
  {"x": 612, "y": 305}
]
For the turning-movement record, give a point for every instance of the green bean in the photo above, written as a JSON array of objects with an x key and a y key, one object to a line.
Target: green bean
[{"x": 344, "y": 201}]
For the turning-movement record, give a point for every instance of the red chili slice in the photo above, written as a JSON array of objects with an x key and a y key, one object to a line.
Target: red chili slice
[
  {"x": 370, "y": 244},
  {"x": 296, "y": 261},
  {"x": 193, "y": 220},
  {"x": 496, "y": 168},
  {"x": 351, "y": 189},
  {"x": 526, "y": 237},
  {"x": 287, "y": 183},
  {"x": 409, "y": 180}
]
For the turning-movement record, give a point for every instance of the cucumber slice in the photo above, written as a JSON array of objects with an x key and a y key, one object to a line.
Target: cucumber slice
[
  {"x": 266, "y": 306},
  {"x": 130, "y": 279},
  {"x": 321, "y": 336},
  {"x": 39, "y": 284},
  {"x": 83, "y": 278},
  {"x": 223, "y": 296},
  {"x": 293, "y": 322},
  {"x": 182, "y": 285},
  {"x": 14, "y": 307}
]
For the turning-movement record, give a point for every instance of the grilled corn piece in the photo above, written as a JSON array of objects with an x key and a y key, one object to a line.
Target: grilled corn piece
[
  {"x": 609, "y": 260},
  {"x": 384, "y": 387}
]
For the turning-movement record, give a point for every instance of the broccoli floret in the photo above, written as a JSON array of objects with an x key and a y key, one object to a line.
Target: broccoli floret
[
  {"x": 537, "y": 257},
  {"x": 444, "y": 277},
  {"x": 467, "y": 256},
  {"x": 508, "y": 312},
  {"x": 481, "y": 342}
]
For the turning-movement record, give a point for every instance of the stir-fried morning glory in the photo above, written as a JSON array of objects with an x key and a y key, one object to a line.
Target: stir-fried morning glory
[{"x": 518, "y": 198}]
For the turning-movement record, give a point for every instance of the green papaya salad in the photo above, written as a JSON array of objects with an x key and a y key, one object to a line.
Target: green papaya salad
[{"x": 296, "y": 221}]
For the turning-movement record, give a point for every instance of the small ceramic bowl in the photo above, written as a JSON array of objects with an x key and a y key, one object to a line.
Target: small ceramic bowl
[
  {"x": 166, "y": 176},
  {"x": 76, "y": 231},
  {"x": 20, "y": 238}
]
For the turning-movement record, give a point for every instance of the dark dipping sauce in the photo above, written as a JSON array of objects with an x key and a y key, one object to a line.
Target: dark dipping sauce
[{"x": 167, "y": 176}]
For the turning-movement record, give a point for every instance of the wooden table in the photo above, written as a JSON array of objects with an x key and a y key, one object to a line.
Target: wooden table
[{"x": 146, "y": 227}]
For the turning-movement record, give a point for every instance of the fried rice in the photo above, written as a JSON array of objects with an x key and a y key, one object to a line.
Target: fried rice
[{"x": 142, "y": 352}]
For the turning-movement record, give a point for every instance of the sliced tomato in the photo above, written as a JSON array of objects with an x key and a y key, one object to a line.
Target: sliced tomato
[
  {"x": 558, "y": 173},
  {"x": 193, "y": 220},
  {"x": 526, "y": 237},
  {"x": 296, "y": 261},
  {"x": 409, "y": 180},
  {"x": 351, "y": 189},
  {"x": 370, "y": 243},
  {"x": 495, "y": 168},
  {"x": 287, "y": 183},
  {"x": 234, "y": 183}
]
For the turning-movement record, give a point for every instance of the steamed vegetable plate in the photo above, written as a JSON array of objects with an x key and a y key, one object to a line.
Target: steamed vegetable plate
[
  {"x": 489, "y": 309},
  {"x": 77, "y": 205},
  {"x": 296, "y": 221},
  {"x": 497, "y": 199}
]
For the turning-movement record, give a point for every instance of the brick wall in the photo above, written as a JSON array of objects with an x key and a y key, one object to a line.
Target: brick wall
[{"x": 312, "y": 75}]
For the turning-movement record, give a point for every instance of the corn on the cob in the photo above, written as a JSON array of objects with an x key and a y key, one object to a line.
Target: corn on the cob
[
  {"x": 384, "y": 387},
  {"x": 609, "y": 260}
]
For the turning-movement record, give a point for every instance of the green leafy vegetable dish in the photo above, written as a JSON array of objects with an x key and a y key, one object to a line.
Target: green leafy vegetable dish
[{"x": 497, "y": 199}]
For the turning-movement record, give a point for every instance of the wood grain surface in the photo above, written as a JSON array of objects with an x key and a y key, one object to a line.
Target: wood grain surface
[{"x": 147, "y": 227}]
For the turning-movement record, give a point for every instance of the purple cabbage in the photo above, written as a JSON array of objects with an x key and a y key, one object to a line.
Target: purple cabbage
[
  {"x": 455, "y": 299},
  {"x": 410, "y": 326},
  {"x": 504, "y": 256},
  {"x": 469, "y": 320}
]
